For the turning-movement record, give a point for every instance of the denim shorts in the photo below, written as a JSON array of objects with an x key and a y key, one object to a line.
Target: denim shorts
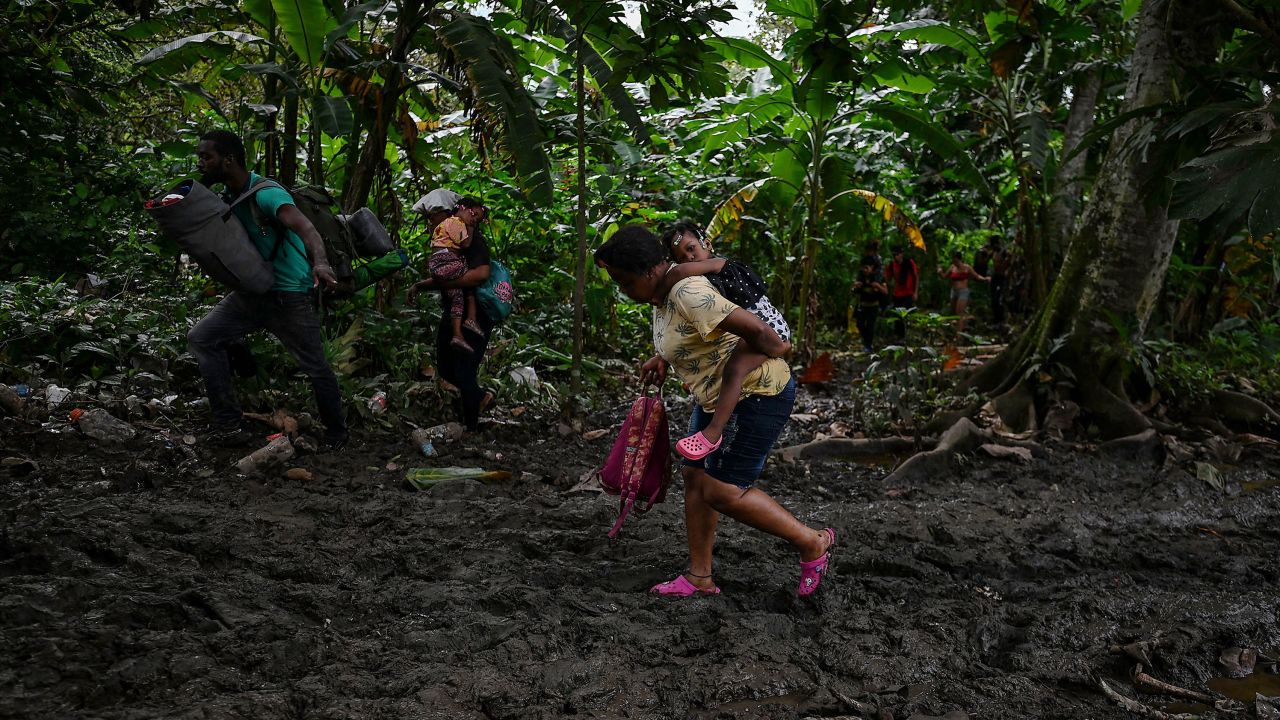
[{"x": 752, "y": 430}]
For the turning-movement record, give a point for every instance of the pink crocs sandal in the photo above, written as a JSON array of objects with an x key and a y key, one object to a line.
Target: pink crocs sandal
[
  {"x": 681, "y": 587},
  {"x": 811, "y": 572},
  {"x": 696, "y": 446}
]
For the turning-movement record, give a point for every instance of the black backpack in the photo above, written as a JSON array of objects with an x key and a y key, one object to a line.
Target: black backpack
[{"x": 349, "y": 240}]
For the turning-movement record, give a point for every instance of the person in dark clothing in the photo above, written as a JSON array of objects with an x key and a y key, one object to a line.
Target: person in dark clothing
[
  {"x": 457, "y": 366},
  {"x": 287, "y": 311},
  {"x": 870, "y": 292},
  {"x": 999, "y": 279},
  {"x": 904, "y": 276}
]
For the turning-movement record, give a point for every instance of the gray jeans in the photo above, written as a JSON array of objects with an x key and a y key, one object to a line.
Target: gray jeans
[{"x": 292, "y": 319}]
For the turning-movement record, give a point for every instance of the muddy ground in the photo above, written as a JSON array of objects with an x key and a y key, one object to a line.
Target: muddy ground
[{"x": 135, "y": 584}]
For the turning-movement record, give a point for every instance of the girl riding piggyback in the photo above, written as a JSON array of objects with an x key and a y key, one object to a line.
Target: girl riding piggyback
[{"x": 740, "y": 285}]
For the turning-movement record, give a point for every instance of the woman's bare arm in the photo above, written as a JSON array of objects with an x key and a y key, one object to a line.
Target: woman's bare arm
[{"x": 755, "y": 333}]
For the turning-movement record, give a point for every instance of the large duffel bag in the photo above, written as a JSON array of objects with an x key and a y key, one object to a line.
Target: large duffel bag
[{"x": 205, "y": 229}]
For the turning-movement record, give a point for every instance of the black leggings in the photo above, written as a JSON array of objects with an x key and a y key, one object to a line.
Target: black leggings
[{"x": 460, "y": 368}]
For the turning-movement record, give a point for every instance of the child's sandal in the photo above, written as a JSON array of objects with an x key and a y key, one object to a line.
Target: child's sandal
[
  {"x": 462, "y": 345},
  {"x": 474, "y": 327},
  {"x": 696, "y": 446}
]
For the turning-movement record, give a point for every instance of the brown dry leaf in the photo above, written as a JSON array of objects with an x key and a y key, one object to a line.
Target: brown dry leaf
[
  {"x": 594, "y": 434},
  {"x": 518, "y": 411},
  {"x": 302, "y": 474},
  {"x": 820, "y": 371}
]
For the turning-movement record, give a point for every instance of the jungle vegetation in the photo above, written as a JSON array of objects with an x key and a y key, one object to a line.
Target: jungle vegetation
[{"x": 1125, "y": 148}]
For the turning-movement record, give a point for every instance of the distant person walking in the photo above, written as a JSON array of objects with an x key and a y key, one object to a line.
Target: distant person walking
[
  {"x": 457, "y": 365},
  {"x": 870, "y": 292},
  {"x": 695, "y": 331},
  {"x": 1000, "y": 266},
  {"x": 960, "y": 273},
  {"x": 904, "y": 278},
  {"x": 287, "y": 311}
]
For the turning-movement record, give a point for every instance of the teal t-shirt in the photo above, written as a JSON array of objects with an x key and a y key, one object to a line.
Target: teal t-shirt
[{"x": 292, "y": 269}]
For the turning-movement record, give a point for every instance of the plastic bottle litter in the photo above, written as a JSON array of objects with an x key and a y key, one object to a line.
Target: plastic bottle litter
[
  {"x": 525, "y": 376},
  {"x": 103, "y": 427},
  {"x": 55, "y": 395},
  {"x": 22, "y": 390},
  {"x": 378, "y": 402},
  {"x": 426, "y": 438},
  {"x": 273, "y": 454}
]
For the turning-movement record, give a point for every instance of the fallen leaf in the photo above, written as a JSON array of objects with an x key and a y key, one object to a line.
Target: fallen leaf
[
  {"x": 820, "y": 371},
  {"x": 804, "y": 417},
  {"x": 1211, "y": 476},
  {"x": 518, "y": 411},
  {"x": 898, "y": 492},
  {"x": 299, "y": 474},
  {"x": 594, "y": 434}
]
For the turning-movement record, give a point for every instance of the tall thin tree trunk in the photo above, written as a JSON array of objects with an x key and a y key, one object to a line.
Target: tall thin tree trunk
[
  {"x": 580, "y": 259},
  {"x": 808, "y": 331},
  {"x": 289, "y": 148},
  {"x": 1068, "y": 189}
]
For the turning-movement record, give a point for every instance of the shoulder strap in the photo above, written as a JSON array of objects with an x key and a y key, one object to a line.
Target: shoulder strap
[{"x": 259, "y": 216}]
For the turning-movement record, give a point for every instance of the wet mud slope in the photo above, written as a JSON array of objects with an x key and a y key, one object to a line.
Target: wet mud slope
[{"x": 135, "y": 584}]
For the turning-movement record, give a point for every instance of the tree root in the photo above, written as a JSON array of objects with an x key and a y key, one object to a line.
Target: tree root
[
  {"x": 961, "y": 437},
  {"x": 1138, "y": 708},
  {"x": 1146, "y": 683},
  {"x": 1234, "y": 407},
  {"x": 853, "y": 448}
]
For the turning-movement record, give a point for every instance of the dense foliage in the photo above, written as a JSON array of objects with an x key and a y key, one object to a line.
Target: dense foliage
[{"x": 970, "y": 121}]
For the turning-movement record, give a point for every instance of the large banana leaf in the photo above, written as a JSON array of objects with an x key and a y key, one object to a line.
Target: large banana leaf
[
  {"x": 545, "y": 16},
  {"x": 920, "y": 126},
  {"x": 305, "y": 24},
  {"x": 501, "y": 107},
  {"x": 890, "y": 212},
  {"x": 926, "y": 31},
  {"x": 202, "y": 39},
  {"x": 727, "y": 216}
]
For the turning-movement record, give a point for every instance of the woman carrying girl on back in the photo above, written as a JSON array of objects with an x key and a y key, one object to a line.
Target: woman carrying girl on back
[{"x": 740, "y": 285}]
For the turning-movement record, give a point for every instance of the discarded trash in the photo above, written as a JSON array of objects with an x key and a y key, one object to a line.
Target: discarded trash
[
  {"x": 55, "y": 395},
  {"x": 273, "y": 454},
  {"x": 426, "y": 438},
  {"x": 103, "y": 427},
  {"x": 75, "y": 415},
  {"x": 526, "y": 376},
  {"x": 22, "y": 389},
  {"x": 299, "y": 474},
  {"x": 274, "y": 436},
  {"x": 424, "y": 478},
  {"x": 378, "y": 403}
]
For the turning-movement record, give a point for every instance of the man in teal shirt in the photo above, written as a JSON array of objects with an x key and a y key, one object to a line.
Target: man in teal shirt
[{"x": 286, "y": 311}]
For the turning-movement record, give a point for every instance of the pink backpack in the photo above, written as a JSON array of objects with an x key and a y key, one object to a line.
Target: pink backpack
[{"x": 639, "y": 466}]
